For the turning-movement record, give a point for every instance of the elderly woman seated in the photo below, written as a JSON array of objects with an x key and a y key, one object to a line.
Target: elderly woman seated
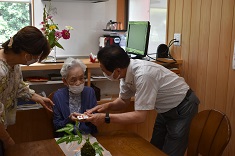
[{"x": 74, "y": 99}]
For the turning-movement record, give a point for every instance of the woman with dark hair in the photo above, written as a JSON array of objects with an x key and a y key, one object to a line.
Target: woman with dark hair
[{"x": 27, "y": 46}]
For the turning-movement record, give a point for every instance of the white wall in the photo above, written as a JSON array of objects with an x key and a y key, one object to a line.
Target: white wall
[{"x": 87, "y": 19}]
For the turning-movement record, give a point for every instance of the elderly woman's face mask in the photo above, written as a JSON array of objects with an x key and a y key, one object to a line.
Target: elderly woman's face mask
[
  {"x": 75, "y": 80},
  {"x": 76, "y": 89}
]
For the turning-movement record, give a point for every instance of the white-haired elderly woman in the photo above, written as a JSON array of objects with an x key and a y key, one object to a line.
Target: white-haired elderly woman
[{"x": 74, "y": 99}]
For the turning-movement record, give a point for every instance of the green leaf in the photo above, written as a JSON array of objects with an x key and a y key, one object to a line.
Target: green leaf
[
  {"x": 98, "y": 148},
  {"x": 79, "y": 139},
  {"x": 62, "y": 139},
  {"x": 69, "y": 125},
  {"x": 58, "y": 45},
  {"x": 68, "y": 129},
  {"x": 69, "y": 136},
  {"x": 76, "y": 123},
  {"x": 63, "y": 129},
  {"x": 78, "y": 133},
  {"x": 99, "y": 152}
]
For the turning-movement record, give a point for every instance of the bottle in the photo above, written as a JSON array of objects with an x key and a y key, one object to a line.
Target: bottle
[{"x": 109, "y": 25}]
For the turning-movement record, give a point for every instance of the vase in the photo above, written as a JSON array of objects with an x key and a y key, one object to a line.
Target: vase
[
  {"x": 53, "y": 54},
  {"x": 51, "y": 57}
]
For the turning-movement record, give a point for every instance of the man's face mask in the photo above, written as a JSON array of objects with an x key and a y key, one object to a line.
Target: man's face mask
[{"x": 111, "y": 76}]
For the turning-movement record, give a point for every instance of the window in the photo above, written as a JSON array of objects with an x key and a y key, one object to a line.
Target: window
[
  {"x": 14, "y": 15},
  {"x": 158, "y": 18}
]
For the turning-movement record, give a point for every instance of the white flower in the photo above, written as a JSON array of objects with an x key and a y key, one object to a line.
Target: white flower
[{"x": 69, "y": 27}]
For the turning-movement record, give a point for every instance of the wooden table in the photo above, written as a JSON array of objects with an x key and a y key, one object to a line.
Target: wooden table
[
  {"x": 117, "y": 143},
  {"x": 127, "y": 144},
  {"x": 36, "y": 148}
]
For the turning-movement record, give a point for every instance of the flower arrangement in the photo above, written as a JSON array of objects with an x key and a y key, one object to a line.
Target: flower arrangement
[{"x": 51, "y": 29}]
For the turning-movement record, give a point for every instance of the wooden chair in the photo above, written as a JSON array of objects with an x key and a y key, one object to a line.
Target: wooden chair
[
  {"x": 50, "y": 114},
  {"x": 210, "y": 133}
]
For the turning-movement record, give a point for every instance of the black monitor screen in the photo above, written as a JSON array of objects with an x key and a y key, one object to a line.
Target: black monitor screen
[{"x": 137, "y": 38}]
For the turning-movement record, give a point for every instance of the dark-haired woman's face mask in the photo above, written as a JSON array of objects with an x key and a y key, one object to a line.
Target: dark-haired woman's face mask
[{"x": 33, "y": 60}]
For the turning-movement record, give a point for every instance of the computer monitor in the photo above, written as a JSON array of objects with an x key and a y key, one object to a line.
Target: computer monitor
[{"x": 138, "y": 38}]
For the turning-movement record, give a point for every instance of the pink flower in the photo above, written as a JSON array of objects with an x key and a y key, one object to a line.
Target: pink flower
[
  {"x": 65, "y": 34},
  {"x": 43, "y": 29},
  {"x": 58, "y": 34},
  {"x": 49, "y": 17}
]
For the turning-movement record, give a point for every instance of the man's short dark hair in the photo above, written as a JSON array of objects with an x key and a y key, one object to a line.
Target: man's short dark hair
[{"x": 113, "y": 57}]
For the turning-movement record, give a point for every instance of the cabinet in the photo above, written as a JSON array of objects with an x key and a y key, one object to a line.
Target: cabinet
[
  {"x": 108, "y": 89},
  {"x": 43, "y": 69}
]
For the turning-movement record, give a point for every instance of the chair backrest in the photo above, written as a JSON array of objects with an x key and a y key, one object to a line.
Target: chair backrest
[
  {"x": 210, "y": 132},
  {"x": 50, "y": 114}
]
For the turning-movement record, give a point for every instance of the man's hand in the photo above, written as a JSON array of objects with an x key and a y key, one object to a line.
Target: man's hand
[
  {"x": 44, "y": 101},
  {"x": 96, "y": 119},
  {"x": 100, "y": 108}
]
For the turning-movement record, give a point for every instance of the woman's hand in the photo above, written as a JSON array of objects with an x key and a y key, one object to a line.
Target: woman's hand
[
  {"x": 44, "y": 101},
  {"x": 73, "y": 116}
]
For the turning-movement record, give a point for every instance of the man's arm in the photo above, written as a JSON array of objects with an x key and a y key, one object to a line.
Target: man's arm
[
  {"x": 138, "y": 116},
  {"x": 117, "y": 104}
]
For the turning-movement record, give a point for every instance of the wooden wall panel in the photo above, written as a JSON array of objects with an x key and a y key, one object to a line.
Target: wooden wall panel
[
  {"x": 212, "y": 66},
  {"x": 230, "y": 105},
  {"x": 178, "y": 26},
  {"x": 208, "y": 36},
  {"x": 186, "y": 31},
  {"x": 152, "y": 117},
  {"x": 224, "y": 53},
  {"x": 143, "y": 128},
  {"x": 194, "y": 38},
  {"x": 203, "y": 49}
]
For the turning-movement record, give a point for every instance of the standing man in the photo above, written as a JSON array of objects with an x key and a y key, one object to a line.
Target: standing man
[{"x": 154, "y": 87}]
